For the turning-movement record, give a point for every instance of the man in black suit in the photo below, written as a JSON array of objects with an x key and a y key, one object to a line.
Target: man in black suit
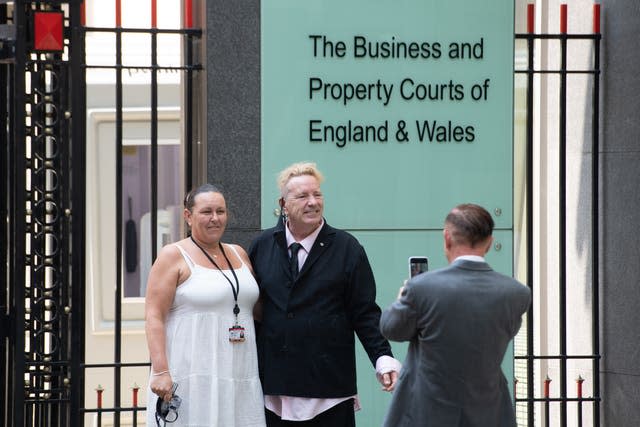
[
  {"x": 317, "y": 289},
  {"x": 458, "y": 321}
]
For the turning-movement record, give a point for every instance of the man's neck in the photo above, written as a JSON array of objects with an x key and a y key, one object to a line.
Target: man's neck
[
  {"x": 465, "y": 250},
  {"x": 300, "y": 233}
]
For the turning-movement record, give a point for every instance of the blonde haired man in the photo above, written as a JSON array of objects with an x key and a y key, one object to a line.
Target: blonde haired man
[{"x": 317, "y": 290}]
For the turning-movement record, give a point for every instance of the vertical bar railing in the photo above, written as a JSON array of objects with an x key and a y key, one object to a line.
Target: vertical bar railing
[
  {"x": 579, "y": 382},
  {"x": 595, "y": 213},
  {"x": 18, "y": 231},
  {"x": 529, "y": 225},
  {"x": 5, "y": 131},
  {"x": 121, "y": 65},
  {"x": 547, "y": 401},
  {"x": 562, "y": 202},
  {"x": 154, "y": 131},
  {"x": 77, "y": 212},
  {"x": 134, "y": 400},
  {"x": 117, "y": 357},
  {"x": 187, "y": 12},
  {"x": 563, "y": 358}
]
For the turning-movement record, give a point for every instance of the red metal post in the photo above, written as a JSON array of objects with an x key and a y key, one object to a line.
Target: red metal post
[
  {"x": 154, "y": 14},
  {"x": 99, "y": 391},
  {"x": 83, "y": 14},
  {"x": 547, "y": 381},
  {"x": 579, "y": 382},
  {"x": 596, "y": 18},
  {"x": 135, "y": 389},
  {"x": 563, "y": 18},
  {"x": 118, "y": 13},
  {"x": 188, "y": 14},
  {"x": 530, "y": 18}
]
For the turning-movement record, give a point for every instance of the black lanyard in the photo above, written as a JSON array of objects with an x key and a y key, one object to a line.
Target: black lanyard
[{"x": 234, "y": 289}]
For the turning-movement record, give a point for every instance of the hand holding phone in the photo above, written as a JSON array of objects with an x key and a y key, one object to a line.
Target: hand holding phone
[{"x": 418, "y": 265}]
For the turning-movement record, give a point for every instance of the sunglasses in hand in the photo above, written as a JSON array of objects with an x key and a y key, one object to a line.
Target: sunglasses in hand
[{"x": 168, "y": 411}]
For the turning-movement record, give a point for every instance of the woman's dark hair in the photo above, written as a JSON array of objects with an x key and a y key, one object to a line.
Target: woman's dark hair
[{"x": 190, "y": 198}]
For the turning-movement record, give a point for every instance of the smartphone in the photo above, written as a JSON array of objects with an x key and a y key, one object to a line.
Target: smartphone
[{"x": 417, "y": 265}]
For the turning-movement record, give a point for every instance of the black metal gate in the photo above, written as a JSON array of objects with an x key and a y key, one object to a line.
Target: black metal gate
[
  {"x": 43, "y": 173},
  {"x": 567, "y": 405},
  {"x": 43, "y": 203}
]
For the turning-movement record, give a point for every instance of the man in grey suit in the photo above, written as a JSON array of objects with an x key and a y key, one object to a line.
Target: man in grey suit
[{"x": 459, "y": 321}]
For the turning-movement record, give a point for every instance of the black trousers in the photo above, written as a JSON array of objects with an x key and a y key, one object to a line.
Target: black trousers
[{"x": 341, "y": 415}]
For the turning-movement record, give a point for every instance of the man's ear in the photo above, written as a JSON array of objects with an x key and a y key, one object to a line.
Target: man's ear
[
  {"x": 489, "y": 243},
  {"x": 281, "y": 202},
  {"x": 447, "y": 239}
]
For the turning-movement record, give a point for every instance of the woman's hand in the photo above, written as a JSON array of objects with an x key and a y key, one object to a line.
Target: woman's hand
[{"x": 162, "y": 385}]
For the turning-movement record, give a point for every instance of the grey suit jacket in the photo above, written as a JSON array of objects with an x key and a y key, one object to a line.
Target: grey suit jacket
[{"x": 459, "y": 321}]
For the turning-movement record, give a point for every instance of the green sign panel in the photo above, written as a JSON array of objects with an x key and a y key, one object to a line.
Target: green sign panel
[{"x": 407, "y": 105}]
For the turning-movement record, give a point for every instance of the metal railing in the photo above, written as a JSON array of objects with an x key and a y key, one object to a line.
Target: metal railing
[
  {"x": 43, "y": 168},
  {"x": 562, "y": 396}
]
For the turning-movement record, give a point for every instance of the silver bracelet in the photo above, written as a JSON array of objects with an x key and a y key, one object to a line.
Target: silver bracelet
[{"x": 157, "y": 374}]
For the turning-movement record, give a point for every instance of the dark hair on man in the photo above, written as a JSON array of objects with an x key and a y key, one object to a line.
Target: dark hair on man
[
  {"x": 190, "y": 198},
  {"x": 469, "y": 224}
]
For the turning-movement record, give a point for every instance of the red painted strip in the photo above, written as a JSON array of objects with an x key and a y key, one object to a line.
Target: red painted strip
[
  {"x": 530, "y": 18},
  {"x": 83, "y": 14},
  {"x": 118, "y": 13},
  {"x": 580, "y": 381},
  {"x": 188, "y": 14},
  {"x": 596, "y": 18},
  {"x": 563, "y": 18},
  {"x": 154, "y": 14},
  {"x": 546, "y": 387}
]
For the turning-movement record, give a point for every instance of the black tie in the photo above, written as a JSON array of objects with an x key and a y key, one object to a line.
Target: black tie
[{"x": 293, "y": 262}]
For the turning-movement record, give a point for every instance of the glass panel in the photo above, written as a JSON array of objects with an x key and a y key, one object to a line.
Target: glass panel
[{"x": 136, "y": 181}]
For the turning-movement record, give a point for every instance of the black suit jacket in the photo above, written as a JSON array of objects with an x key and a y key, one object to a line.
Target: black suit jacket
[{"x": 306, "y": 344}]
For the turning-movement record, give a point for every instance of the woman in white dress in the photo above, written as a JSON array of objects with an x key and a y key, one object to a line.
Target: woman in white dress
[{"x": 199, "y": 324}]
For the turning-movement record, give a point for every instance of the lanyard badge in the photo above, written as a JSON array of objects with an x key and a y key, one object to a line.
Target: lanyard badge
[{"x": 236, "y": 332}]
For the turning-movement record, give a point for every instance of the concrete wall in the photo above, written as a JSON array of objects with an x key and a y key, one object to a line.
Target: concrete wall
[
  {"x": 233, "y": 112},
  {"x": 620, "y": 172}
]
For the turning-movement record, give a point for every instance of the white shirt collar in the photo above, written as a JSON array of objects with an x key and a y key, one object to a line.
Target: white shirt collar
[
  {"x": 307, "y": 242},
  {"x": 475, "y": 258}
]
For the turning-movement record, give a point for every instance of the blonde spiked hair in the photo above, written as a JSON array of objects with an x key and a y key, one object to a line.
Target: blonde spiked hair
[{"x": 297, "y": 169}]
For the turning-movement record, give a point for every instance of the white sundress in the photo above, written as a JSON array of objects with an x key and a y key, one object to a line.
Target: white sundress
[{"x": 217, "y": 379}]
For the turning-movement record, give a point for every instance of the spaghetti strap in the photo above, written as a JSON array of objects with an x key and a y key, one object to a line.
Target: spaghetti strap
[
  {"x": 237, "y": 254},
  {"x": 186, "y": 257}
]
